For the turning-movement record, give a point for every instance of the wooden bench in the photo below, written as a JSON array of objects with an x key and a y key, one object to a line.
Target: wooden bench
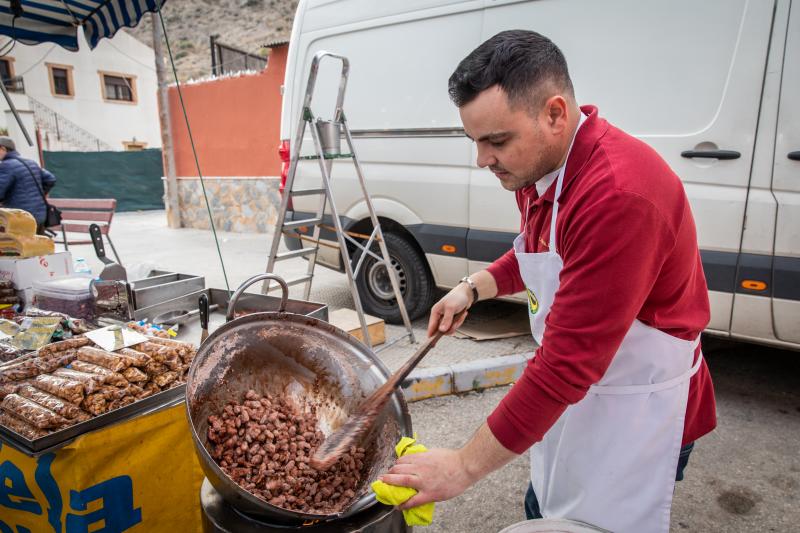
[{"x": 77, "y": 214}]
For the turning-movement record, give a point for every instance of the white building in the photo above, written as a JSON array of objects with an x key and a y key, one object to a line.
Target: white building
[{"x": 101, "y": 99}]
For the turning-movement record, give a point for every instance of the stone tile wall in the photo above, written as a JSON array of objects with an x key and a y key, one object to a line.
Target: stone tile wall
[{"x": 243, "y": 205}]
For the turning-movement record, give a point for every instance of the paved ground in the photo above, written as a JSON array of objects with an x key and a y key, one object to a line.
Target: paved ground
[
  {"x": 743, "y": 477},
  {"x": 143, "y": 238}
]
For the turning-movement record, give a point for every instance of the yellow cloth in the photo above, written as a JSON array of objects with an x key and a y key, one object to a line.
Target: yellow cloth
[{"x": 422, "y": 515}]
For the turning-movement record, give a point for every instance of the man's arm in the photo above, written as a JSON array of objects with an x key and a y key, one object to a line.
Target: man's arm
[
  {"x": 441, "y": 474},
  {"x": 48, "y": 180},
  {"x": 459, "y": 299},
  {"x": 6, "y": 179}
]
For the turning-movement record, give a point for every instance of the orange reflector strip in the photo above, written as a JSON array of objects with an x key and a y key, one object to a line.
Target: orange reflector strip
[
  {"x": 753, "y": 285},
  {"x": 449, "y": 248},
  {"x": 302, "y": 229}
]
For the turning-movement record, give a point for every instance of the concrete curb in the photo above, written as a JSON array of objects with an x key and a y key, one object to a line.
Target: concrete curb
[{"x": 459, "y": 378}]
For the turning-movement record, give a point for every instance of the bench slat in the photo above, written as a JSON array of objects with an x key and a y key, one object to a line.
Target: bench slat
[
  {"x": 95, "y": 216},
  {"x": 105, "y": 204}
]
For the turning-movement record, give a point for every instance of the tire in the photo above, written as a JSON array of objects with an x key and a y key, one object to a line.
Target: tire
[{"x": 416, "y": 282}]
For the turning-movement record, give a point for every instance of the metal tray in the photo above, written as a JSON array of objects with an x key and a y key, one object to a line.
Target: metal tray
[
  {"x": 59, "y": 439},
  {"x": 156, "y": 289}
]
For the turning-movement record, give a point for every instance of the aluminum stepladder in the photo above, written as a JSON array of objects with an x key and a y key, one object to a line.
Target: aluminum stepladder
[{"x": 326, "y": 136}]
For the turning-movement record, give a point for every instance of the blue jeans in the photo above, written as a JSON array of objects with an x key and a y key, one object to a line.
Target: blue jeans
[{"x": 532, "y": 503}]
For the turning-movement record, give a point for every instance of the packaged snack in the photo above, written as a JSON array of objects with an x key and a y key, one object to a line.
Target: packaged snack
[
  {"x": 95, "y": 404},
  {"x": 108, "y": 377},
  {"x": 20, "y": 426},
  {"x": 134, "y": 375},
  {"x": 165, "y": 379},
  {"x": 91, "y": 382},
  {"x": 60, "y": 346},
  {"x": 109, "y": 360},
  {"x": 68, "y": 389},
  {"x": 139, "y": 358},
  {"x": 33, "y": 413},
  {"x": 54, "y": 403}
]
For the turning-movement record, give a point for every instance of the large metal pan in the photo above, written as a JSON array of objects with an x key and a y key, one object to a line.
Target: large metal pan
[{"x": 305, "y": 359}]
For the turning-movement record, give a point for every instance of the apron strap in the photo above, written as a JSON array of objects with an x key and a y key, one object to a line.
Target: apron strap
[
  {"x": 649, "y": 388},
  {"x": 559, "y": 184}
]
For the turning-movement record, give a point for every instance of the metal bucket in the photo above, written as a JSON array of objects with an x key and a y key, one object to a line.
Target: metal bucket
[
  {"x": 552, "y": 525},
  {"x": 305, "y": 359},
  {"x": 330, "y": 136}
]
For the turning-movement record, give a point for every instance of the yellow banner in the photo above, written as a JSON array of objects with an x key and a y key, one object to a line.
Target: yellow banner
[{"x": 139, "y": 475}]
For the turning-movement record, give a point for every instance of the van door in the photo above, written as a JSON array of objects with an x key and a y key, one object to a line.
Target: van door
[
  {"x": 786, "y": 188},
  {"x": 685, "y": 77}
]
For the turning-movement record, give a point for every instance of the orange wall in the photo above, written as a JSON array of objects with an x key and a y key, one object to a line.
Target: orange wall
[{"x": 235, "y": 123}]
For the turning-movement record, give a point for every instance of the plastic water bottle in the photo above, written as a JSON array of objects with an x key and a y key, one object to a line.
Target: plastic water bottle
[{"x": 81, "y": 266}]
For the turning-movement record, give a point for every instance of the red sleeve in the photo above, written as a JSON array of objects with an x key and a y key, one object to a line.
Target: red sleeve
[
  {"x": 610, "y": 266},
  {"x": 505, "y": 271}
]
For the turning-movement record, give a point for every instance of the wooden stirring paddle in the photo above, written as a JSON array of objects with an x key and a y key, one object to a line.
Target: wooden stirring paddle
[{"x": 361, "y": 421}]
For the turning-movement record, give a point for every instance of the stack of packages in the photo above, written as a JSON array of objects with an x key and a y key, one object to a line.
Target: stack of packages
[
  {"x": 8, "y": 294},
  {"x": 18, "y": 235},
  {"x": 73, "y": 380}
]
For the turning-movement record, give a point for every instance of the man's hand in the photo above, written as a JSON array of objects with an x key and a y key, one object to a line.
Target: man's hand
[
  {"x": 437, "y": 475},
  {"x": 457, "y": 300},
  {"x": 440, "y": 474}
]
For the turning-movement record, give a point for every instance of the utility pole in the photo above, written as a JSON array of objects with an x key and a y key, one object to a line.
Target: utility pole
[{"x": 167, "y": 153}]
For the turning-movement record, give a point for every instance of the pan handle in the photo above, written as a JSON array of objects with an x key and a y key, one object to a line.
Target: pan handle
[{"x": 254, "y": 279}]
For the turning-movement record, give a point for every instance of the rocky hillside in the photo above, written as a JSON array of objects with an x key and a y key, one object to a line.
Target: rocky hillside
[{"x": 244, "y": 24}]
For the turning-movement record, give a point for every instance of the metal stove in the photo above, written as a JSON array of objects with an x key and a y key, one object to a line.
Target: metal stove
[{"x": 221, "y": 517}]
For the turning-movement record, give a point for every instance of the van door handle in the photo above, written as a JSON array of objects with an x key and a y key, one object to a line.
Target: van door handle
[
  {"x": 794, "y": 156},
  {"x": 711, "y": 154}
]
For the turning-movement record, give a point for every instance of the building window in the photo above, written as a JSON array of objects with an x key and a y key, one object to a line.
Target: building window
[
  {"x": 12, "y": 83},
  {"x": 61, "y": 84},
  {"x": 118, "y": 87}
]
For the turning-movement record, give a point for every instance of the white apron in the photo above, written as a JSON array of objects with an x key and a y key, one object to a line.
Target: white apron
[{"x": 610, "y": 459}]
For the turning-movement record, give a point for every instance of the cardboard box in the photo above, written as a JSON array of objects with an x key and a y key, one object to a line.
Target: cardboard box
[
  {"x": 347, "y": 319},
  {"x": 23, "y": 272}
]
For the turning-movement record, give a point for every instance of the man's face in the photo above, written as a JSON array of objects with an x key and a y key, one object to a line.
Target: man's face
[
  {"x": 518, "y": 145},
  {"x": 3, "y": 152}
]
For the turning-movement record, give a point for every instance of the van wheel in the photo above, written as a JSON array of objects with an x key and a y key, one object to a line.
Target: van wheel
[{"x": 375, "y": 286}]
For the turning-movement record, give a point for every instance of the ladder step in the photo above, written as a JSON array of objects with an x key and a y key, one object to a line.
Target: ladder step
[
  {"x": 300, "y": 223},
  {"x": 295, "y": 253},
  {"x": 290, "y": 282},
  {"x": 307, "y": 192},
  {"x": 326, "y": 156}
]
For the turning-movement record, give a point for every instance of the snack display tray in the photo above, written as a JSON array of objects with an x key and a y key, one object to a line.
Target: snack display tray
[{"x": 61, "y": 438}]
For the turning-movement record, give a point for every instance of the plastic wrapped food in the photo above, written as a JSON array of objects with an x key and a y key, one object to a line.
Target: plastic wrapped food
[
  {"x": 32, "y": 412},
  {"x": 174, "y": 363},
  {"x": 68, "y": 389},
  {"x": 95, "y": 404},
  {"x": 151, "y": 388},
  {"x": 139, "y": 358},
  {"x": 8, "y": 388},
  {"x": 9, "y": 352},
  {"x": 134, "y": 375},
  {"x": 108, "y": 377},
  {"x": 17, "y": 372},
  {"x": 183, "y": 348},
  {"x": 70, "y": 295},
  {"x": 122, "y": 402},
  {"x": 47, "y": 365},
  {"x": 6, "y": 284},
  {"x": 155, "y": 351},
  {"x": 54, "y": 403},
  {"x": 165, "y": 379},
  {"x": 154, "y": 368},
  {"x": 91, "y": 382},
  {"x": 113, "y": 393},
  {"x": 60, "y": 346},
  {"x": 20, "y": 426},
  {"x": 109, "y": 360}
]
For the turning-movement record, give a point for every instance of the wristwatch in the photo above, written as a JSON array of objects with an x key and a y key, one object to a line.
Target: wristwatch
[{"x": 468, "y": 281}]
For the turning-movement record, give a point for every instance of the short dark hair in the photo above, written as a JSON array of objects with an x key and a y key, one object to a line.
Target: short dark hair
[{"x": 521, "y": 62}]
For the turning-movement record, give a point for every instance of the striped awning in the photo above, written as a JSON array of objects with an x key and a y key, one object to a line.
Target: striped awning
[{"x": 57, "y": 21}]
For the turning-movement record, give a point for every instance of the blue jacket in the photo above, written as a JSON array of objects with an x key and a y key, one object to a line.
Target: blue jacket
[{"x": 17, "y": 189}]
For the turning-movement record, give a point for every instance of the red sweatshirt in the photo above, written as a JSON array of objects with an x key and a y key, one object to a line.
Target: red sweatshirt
[{"x": 627, "y": 237}]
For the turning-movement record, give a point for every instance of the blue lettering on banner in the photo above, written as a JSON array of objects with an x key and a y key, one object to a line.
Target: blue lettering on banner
[
  {"x": 47, "y": 484},
  {"x": 5, "y": 528},
  {"x": 12, "y": 485},
  {"x": 117, "y": 511}
]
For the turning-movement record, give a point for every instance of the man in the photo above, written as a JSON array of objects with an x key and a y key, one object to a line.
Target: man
[
  {"x": 23, "y": 184},
  {"x": 618, "y": 391}
]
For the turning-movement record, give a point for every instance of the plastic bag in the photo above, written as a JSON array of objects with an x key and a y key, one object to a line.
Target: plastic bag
[
  {"x": 33, "y": 413},
  {"x": 68, "y": 389},
  {"x": 54, "y": 403},
  {"x": 109, "y": 360}
]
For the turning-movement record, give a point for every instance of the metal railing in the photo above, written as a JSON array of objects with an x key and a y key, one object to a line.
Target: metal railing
[
  {"x": 226, "y": 58},
  {"x": 65, "y": 130}
]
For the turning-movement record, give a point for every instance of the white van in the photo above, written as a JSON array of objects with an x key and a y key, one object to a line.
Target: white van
[{"x": 718, "y": 78}]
